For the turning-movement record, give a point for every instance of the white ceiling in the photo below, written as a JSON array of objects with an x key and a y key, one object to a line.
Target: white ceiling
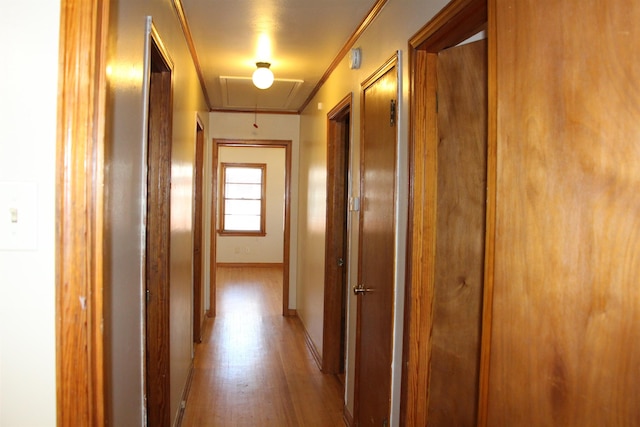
[{"x": 303, "y": 38}]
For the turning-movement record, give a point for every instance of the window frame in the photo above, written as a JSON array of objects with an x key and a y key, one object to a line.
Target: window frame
[{"x": 263, "y": 200}]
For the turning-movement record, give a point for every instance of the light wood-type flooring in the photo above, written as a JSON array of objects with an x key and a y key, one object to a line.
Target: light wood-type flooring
[{"x": 253, "y": 367}]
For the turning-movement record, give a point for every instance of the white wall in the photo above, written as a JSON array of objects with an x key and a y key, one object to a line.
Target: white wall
[
  {"x": 258, "y": 249},
  {"x": 28, "y": 102},
  {"x": 270, "y": 127}
]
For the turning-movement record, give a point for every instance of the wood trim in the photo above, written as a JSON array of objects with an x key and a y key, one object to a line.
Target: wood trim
[
  {"x": 185, "y": 396},
  {"x": 213, "y": 239},
  {"x": 312, "y": 348},
  {"x": 245, "y": 111},
  {"x": 459, "y": 20},
  {"x": 334, "y": 275},
  {"x": 347, "y": 417},
  {"x": 263, "y": 200},
  {"x": 384, "y": 68},
  {"x": 490, "y": 231},
  {"x": 186, "y": 30},
  {"x": 249, "y": 264},
  {"x": 368, "y": 19},
  {"x": 80, "y": 359},
  {"x": 270, "y": 143}
]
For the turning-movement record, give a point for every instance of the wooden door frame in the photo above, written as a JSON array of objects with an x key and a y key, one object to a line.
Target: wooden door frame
[
  {"x": 459, "y": 20},
  {"x": 198, "y": 211},
  {"x": 333, "y": 297},
  {"x": 369, "y": 81},
  {"x": 159, "y": 86},
  {"x": 79, "y": 239},
  {"x": 259, "y": 143}
]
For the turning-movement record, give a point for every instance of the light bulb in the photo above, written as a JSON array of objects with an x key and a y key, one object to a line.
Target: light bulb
[{"x": 263, "y": 76}]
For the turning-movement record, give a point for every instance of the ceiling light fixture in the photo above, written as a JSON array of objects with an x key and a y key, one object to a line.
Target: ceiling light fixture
[{"x": 263, "y": 76}]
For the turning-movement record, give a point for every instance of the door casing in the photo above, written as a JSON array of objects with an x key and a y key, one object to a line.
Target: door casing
[
  {"x": 287, "y": 145},
  {"x": 458, "y": 21}
]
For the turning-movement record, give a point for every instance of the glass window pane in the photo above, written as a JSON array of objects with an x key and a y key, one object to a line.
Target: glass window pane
[
  {"x": 246, "y": 175},
  {"x": 242, "y": 207},
  {"x": 242, "y": 222},
  {"x": 243, "y": 191}
]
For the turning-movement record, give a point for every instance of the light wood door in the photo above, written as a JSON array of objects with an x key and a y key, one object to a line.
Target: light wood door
[
  {"x": 376, "y": 259},
  {"x": 460, "y": 235},
  {"x": 565, "y": 341}
]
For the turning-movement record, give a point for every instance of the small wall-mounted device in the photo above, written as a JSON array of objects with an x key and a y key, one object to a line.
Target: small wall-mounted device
[
  {"x": 355, "y": 57},
  {"x": 354, "y": 204}
]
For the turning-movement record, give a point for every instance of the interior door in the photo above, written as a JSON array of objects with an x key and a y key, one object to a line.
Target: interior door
[
  {"x": 335, "y": 287},
  {"x": 376, "y": 260},
  {"x": 460, "y": 235},
  {"x": 198, "y": 306},
  {"x": 157, "y": 241}
]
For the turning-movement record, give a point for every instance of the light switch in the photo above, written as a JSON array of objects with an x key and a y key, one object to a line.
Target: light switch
[{"x": 18, "y": 216}]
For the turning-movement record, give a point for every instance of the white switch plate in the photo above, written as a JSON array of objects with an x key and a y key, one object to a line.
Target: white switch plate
[
  {"x": 354, "y": 203},
  {"x": 18, "y": 216}
]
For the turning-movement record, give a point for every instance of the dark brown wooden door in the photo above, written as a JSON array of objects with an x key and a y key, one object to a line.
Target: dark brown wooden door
[
  {"x": 376, "y": 260},
  {"x": 335, "y": 292},
  {"x": 198, "y": 306},
  {"x": 157, "y": 241}
]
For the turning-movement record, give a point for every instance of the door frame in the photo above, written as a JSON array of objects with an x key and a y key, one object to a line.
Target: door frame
[
  {"x": 79, "y": 238},
  {"x": 257, "y": 143},
  {"x": 459, "y": 20},
  {"x": 338, "y": 158}
]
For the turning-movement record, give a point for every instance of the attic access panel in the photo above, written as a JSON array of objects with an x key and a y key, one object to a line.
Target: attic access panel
[{"x": 239, "y": 92}]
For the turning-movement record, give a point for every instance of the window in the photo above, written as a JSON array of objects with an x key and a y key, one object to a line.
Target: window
[{"x": 243, "y": 199}]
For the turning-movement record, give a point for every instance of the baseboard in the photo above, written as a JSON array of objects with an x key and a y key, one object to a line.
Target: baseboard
[
  {"x": 312, "y": 348},
  {"x": 347, "y": 417},
  {"x": 185, "y": 396},
  {"x": 291, "y": 312},
  {"x": 249, "y": 264}
]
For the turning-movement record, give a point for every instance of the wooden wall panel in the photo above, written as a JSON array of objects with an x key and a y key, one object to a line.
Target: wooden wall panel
[{"x": 565, "y": 344}]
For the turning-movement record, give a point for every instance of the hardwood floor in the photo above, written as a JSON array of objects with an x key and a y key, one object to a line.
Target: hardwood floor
[{"x": 253, "y": 367}]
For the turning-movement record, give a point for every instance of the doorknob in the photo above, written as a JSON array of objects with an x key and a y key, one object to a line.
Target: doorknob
[{"x": 361, "y": 289}]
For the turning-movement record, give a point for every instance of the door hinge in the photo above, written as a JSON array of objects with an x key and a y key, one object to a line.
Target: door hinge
[
  {"x": 392, "y": 113},
  {"x": 148, "y": 295}
]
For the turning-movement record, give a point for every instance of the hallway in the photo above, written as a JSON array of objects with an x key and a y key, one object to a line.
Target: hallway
[{"x": 253, "y": 366}]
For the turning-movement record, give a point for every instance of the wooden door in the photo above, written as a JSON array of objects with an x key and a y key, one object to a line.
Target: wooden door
[
  {"x": 450, "y": 160},
  {"x": 335, "y": 297},
  {"x": 460, "y": 235},
  {"x": 377, "y": 242},
  {"x": 198, "y": 307},
  {"x": 157, "y": 241},
  {"x": 565, "y": 340}
]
